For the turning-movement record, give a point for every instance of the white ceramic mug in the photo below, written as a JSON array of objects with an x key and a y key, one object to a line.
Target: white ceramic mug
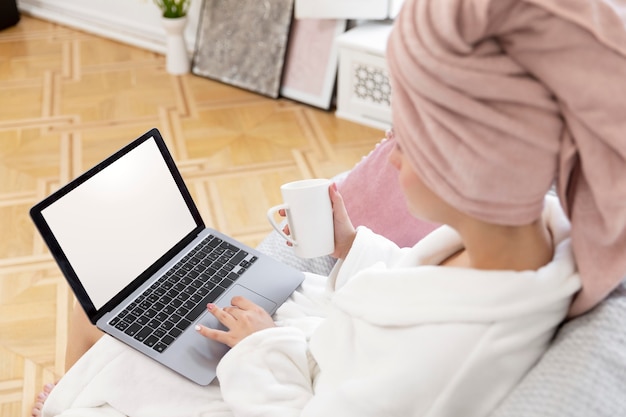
[{"x": 309, "y": 216}]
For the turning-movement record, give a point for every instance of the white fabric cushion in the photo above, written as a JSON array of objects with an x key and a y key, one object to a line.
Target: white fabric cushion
[{"x": 583, "y": 374}]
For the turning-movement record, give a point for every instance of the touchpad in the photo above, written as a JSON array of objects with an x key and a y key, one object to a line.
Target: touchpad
[{"x": 237, "y": 289}]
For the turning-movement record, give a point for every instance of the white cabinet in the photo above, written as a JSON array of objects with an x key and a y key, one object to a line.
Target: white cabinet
[
  {"x": 363, "y": 89},
  {"x": 347, "y": 9}
]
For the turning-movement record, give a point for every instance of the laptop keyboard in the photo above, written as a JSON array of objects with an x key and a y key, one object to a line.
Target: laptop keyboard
[{"x": 165, "y": 309}]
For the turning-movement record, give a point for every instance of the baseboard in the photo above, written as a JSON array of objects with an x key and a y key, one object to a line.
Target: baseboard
[{"x": 139, "y": 26}]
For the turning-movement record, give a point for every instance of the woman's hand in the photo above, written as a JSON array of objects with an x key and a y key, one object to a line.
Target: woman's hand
[
  {"x": 241, "y": 319},
  {"x": 344, "y": 230}
]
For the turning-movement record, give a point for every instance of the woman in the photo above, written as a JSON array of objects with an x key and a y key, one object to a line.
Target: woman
[{"x": 490, "y": 108}]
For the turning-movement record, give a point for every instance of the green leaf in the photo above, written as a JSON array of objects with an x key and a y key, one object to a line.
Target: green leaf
[{"x": 173, "y": 8}]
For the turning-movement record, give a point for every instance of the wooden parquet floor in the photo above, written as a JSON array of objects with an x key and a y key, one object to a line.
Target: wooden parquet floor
[{"x": 67, "y": 100}]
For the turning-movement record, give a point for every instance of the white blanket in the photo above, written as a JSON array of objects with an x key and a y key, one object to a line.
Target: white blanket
[{"x": 382, "y": 337}]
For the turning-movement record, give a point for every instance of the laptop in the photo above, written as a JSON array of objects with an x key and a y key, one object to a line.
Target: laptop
[{"x": 133, "y": 247}]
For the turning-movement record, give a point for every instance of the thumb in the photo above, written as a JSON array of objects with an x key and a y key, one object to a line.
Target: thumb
[{"x": 341, "y": 218}]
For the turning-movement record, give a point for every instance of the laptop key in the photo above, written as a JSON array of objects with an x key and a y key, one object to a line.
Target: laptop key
[
  {"x": 129, "y": 318},
  {"x": 122, "y": 325},
  {"x": 240, "y": 256},
  {"x": 183, "y": 324},
  {"x": 217, "y": 291},
  {"x": 160, "y": 347},
  {"x": 153, "y": 324},
  {"x": 227, "y": 245},
  {"x": 181, "y": 311},
  {"x": 137, "y": 311},
  {"x": 167, "y": 340},
  {"x": 231, "y": 278},
  {"x": 151, "y": 341},
  {"x": 175, "y": 332},
  {"x": 197, "y": 310},
  {"x": 195, "y": 299},
  {"x": 214, "y": 242},
  {"x": 167, "y": 310},
  {"x": 132, "y": 329},
  {"x": 201, "y": 306},
  {"x": 182, "y": 297},
  {"x": 206, "y": 262},
  {"x": 143, "y": 333}
]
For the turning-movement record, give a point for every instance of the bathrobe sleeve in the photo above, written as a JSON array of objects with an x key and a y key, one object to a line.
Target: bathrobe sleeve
[
  {"x": 368, "y": 249},
  {"x": 269, "y": 373}
]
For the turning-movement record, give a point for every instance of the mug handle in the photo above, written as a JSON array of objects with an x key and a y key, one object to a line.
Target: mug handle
[{"x": 270, "y": 216}]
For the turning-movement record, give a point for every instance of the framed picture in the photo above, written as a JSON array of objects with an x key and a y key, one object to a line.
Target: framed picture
[
  {"x": 243, "y": 43},
  {"x": 311, "y": 63}
]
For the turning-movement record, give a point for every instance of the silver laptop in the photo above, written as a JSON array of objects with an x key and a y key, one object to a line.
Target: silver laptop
[{"x": 135, "y": 251}]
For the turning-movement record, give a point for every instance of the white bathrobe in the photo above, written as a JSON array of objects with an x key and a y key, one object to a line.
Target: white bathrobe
[{"x": 389, "y": 333}]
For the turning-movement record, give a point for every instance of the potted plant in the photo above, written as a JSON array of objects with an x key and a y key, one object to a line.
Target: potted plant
[
  {"x": 174, "y": 20},
  {"x": 173, "y": 9}
]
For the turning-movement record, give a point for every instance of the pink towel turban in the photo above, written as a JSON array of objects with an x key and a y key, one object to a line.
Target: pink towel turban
[{"x": 496, "y": 100}]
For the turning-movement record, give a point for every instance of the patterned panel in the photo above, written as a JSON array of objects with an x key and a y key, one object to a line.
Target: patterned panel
[{"x": 372, "y": 84}]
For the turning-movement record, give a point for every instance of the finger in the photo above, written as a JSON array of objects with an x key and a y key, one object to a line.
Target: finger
[
  {"x": 233, "y": 311},
  {"x": 340, "y": 214},
  {"x": 243, "y": 303},
  {"x": 287, "y": 231},
  {"x": 214, "y": 334},
  {"x": 336, "y": 199},
  {"x": 335, "y": 196},
  {"x": 282, "y": 212},
  {"x": 221, "y": 315}
]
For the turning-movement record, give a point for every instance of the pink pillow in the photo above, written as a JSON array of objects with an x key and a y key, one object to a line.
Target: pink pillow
[{"x": 373, "y": 198}]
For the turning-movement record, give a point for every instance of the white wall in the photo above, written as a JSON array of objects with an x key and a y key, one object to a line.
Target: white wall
[{"x": 136, "y": 22}]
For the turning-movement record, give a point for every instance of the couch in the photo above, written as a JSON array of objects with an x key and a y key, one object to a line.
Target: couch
[{"x": 583, "y": 373}]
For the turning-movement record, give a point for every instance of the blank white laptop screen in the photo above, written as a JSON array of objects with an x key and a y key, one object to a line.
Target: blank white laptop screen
[{"x": 119, "y": 222}]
